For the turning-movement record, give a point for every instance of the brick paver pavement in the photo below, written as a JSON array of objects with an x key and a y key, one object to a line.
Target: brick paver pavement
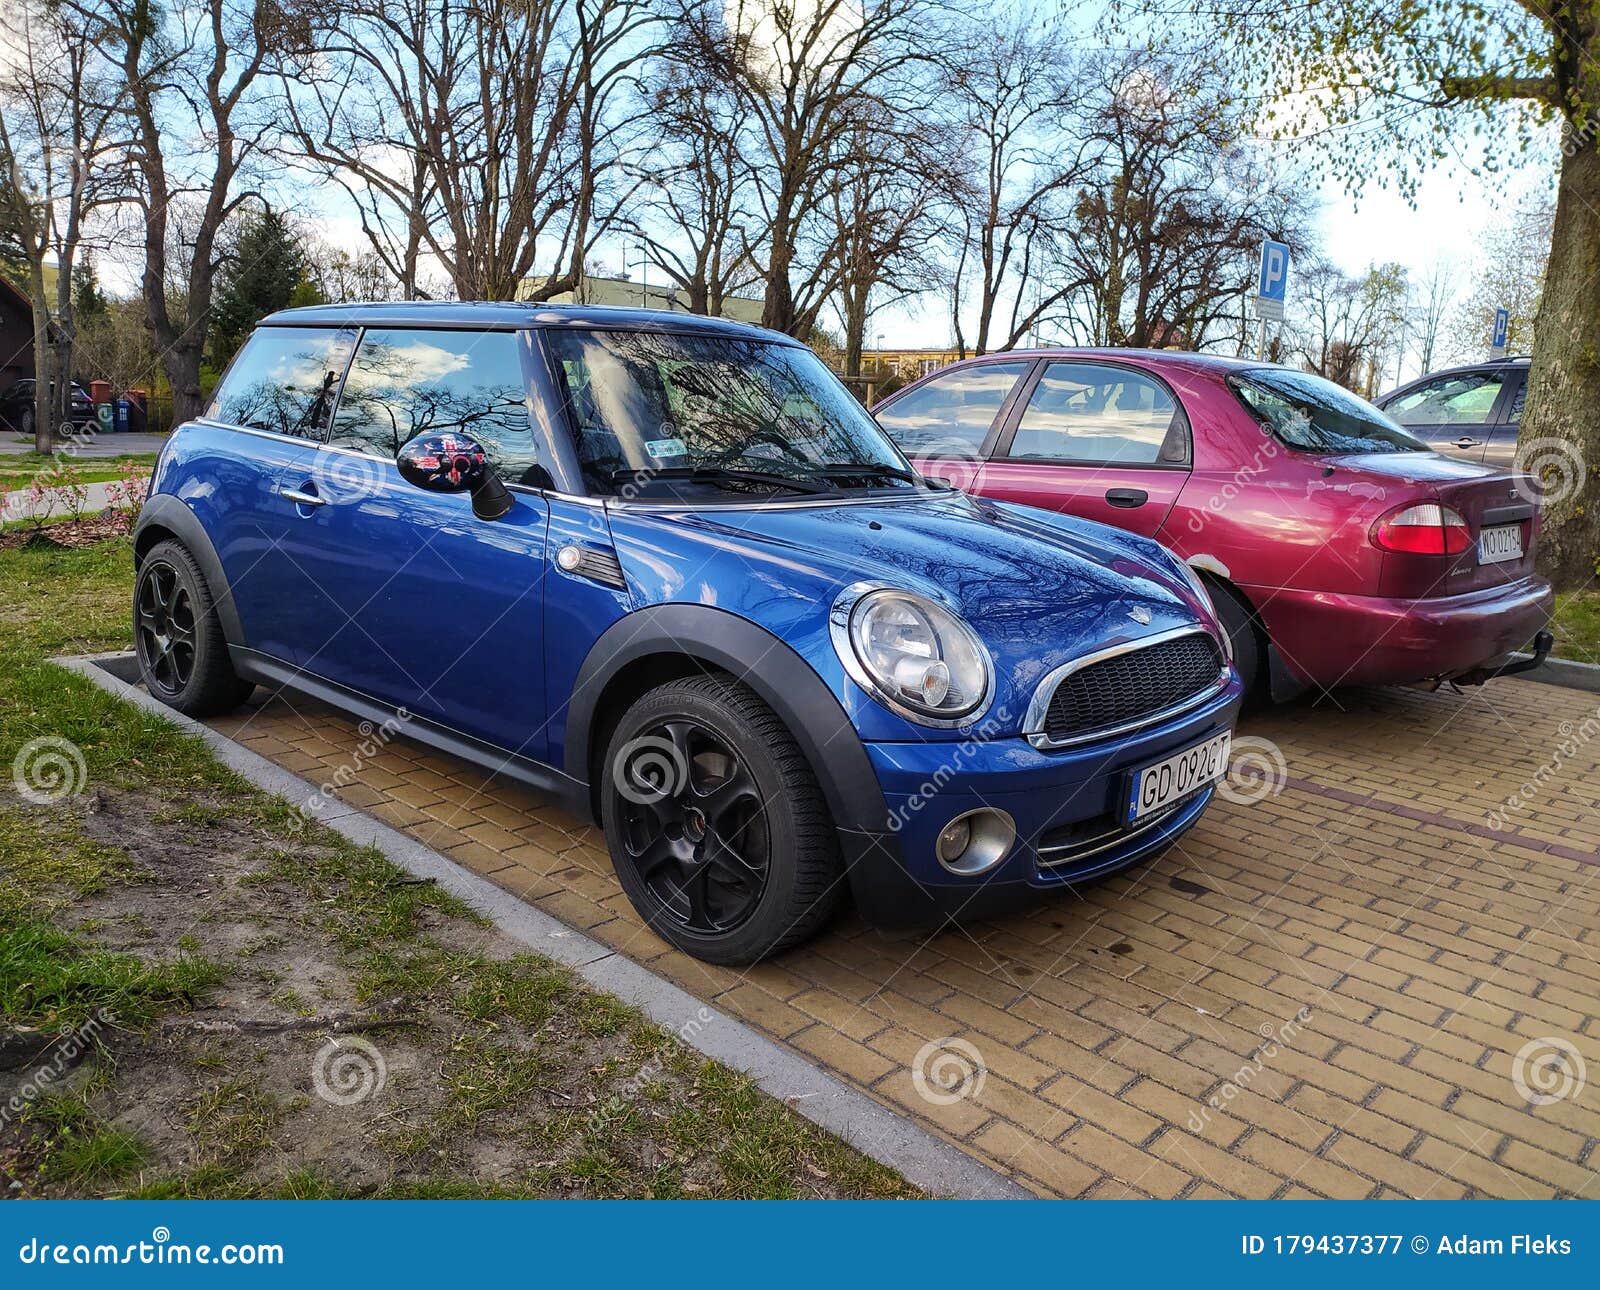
[{"x": 1329, "y": 991}]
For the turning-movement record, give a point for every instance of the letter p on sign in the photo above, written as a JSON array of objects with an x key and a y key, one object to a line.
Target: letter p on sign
[{"x": 1273, "y": 281}]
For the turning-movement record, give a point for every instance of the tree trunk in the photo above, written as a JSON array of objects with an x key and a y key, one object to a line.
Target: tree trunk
[
  {"x": 182, "y": 364},
  {"x": 1560, "y": 436},
  {"x": 43, "y": 403}
]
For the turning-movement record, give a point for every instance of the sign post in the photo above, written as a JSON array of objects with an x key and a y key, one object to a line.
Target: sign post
[
  {"x": 1502, "y": 330},
  {"x": 1272, "y": 286}
]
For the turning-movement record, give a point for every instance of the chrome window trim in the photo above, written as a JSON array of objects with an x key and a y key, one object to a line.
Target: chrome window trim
[
  {"x": 1039, "y": 706},
  {"x": 839, "y": 631}
]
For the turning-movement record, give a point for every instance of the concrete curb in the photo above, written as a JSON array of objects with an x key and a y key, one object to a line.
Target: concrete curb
[
  {"x": 921, "y": 1158},
  {"x": 1564, "y": 671}
]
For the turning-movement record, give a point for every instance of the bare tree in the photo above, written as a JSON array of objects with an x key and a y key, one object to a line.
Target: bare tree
[
  {"x": 1167, "y": 225},
  {"x": 1010, "y": 85},
  {"x": 698, "y": 189},
  {"x": 57, "y": 127},
  {"x": 1344, "y": 324},
  {"x": 1509, "y": 274},
  {"x": 187, "y": 74},
  {"x": 884, "y": 216},
  {"x": 485, "y": 136},
  {"x": 1437, "y": 299},
  {"x": 808, "y": 75}
]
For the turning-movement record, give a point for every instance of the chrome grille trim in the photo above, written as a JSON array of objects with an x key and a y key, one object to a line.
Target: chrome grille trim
[{"x": 1033, "y": 726}]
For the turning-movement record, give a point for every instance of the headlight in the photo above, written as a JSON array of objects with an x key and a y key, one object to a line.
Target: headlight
[{"x": 912, "y": 654}]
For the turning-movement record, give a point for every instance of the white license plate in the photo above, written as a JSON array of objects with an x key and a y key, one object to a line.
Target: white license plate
[
  {"x": 1154, "y": 788},
  {"x": 1501, "y": 543}
]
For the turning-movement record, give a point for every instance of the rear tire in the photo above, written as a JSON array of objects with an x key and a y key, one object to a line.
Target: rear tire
[
  {"x": 1245, "y": 634},
  {"x": 183, "y": 654},
  {"x": 715, "y": 822}
]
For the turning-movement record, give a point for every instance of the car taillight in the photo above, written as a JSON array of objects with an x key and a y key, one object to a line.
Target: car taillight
[{"x": 1424, "y": 529}]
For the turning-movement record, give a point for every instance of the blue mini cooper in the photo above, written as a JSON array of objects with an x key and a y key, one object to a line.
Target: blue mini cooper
[{"x": 667, "y": 569}]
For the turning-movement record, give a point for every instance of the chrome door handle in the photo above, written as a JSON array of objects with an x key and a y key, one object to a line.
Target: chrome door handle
[
  {"x": 1467, "y": 442},
  {"x": 302, "y": 499}
]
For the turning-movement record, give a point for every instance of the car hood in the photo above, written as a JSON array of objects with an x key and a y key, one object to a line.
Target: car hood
[{"x": 1039, "y": 589}]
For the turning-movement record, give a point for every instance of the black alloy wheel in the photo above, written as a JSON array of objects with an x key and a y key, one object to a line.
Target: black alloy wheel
[
  {"x": 165, "y": 627},
  {"x": 694, "y": 825}
]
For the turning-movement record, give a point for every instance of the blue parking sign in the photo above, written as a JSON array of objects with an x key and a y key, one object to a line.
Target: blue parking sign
[
  {"x": 1502, "y": 328},
  {"x": 1273, "y": 280}
]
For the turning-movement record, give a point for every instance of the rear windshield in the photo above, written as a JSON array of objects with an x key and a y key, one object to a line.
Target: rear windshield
[{"x": 1313, "y": 415}]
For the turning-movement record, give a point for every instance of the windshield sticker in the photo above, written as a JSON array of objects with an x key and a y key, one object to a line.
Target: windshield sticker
[{"x": 659, "y": 448}]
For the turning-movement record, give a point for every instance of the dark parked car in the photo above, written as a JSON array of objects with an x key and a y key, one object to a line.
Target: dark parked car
[
  {"x": 17, "y": 406},
  {"x": 1470, "y": 412},
  {"x": 668, "y": 569}
]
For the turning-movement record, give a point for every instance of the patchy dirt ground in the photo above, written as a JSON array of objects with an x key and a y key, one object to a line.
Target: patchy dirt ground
[{"x": 346, "y": 1031}]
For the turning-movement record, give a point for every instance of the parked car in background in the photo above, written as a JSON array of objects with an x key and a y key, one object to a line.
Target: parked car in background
[
  {"x": 1471, "y": 412},
  {"x": 669, "y": 569},
  {"x": 1338, "y": 549},
  {"x": 17, "y": 406}
]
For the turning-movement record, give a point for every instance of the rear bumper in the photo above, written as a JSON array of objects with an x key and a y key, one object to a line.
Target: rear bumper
[
  {"x": 1065, "y": 805},
  {"x": 1329, "y": 640}
]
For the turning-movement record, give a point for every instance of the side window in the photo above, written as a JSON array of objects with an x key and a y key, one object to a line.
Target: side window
[
  {"x": 284, "y": 380},
  {"x": 406, "y": 383},
  {"x": 1088, "y": 412},
  {"x": 1515, "y": 415},
  {"x": 951, "y": 413},
  {"x": 1464, "y": 399}
]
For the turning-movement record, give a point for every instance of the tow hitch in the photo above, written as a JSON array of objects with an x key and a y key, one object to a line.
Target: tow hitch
[{"x": 1543, "y": 643}]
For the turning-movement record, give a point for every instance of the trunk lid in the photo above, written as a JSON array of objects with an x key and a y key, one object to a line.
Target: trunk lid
[{"x": 1486, "y": 497}]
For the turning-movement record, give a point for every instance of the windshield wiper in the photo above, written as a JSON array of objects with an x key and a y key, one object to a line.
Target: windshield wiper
[
  {"x": 879, "y": 470},
  {"x": 720, "y": 475}
]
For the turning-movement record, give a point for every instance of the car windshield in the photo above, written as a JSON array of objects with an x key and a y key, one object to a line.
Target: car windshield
[
  {"x": 663, "y": 415},
  {"x": 1311, "y": 414}
]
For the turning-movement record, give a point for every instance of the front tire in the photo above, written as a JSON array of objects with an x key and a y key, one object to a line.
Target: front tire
[
  {"x": 716, "y": 824},
  {"x": 1246, "y": 636},
  {"x": 183, "y": 654}
]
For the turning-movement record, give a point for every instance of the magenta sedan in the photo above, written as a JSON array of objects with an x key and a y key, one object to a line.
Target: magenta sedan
[{"x": 1339, "y": 550}]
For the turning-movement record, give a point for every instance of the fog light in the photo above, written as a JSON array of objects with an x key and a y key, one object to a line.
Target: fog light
[
  {"x": 954, "y": 838},
  {"x": 975, "y": 842}
]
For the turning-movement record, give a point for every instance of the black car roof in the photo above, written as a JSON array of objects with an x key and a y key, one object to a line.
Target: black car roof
[{"x": 505, "y": 315}]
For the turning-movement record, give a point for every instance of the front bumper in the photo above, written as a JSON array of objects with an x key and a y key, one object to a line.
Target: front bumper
[
  {"x": 1330, "y": 640},
  {"x": 1065, "y": 805}
]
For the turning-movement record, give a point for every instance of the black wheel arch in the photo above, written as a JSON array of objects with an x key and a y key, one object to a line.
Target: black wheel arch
[
  {"x": 164, "y": 516},
  {"x": 663, "y": 642}
]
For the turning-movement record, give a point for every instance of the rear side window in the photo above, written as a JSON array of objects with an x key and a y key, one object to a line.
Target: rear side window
[
  {"x": 951, "y": 414},
  {"x": 404, "y": 383},
  {"x": 1467, "y": 398},
  {"x": 1095, "y": 413},
  {"x": 1310, "y": 414},
  {"x": 284, "y": 380}
]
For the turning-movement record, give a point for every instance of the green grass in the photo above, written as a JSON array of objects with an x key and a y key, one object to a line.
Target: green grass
[
  {"x": 532, "y": 1056},
  {"x": 1576, "y": 626},
  {"x": 17, "y": 472}
]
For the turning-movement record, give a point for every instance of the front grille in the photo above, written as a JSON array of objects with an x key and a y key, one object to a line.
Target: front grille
[
  {"x": 1125, "y": 689},
  {"x": 1065, "y": 849}
]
